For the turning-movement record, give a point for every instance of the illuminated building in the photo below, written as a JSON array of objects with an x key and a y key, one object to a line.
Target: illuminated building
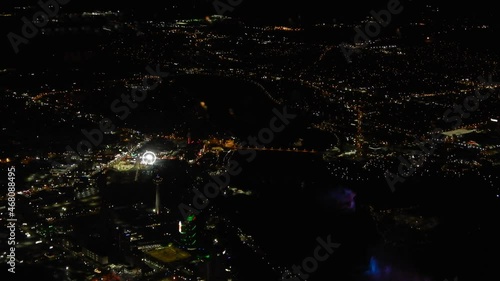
[
  {"x": 95, "y": 255},
  {"x": 157, "y": 181},
  {"x": 229, "y": 143},
  {"x": 187, "y": 230}
]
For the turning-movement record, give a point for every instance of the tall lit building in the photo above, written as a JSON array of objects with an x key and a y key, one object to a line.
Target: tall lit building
[
  {"x": 187, "y": 230},
  {"x": 157, "y": 181}
]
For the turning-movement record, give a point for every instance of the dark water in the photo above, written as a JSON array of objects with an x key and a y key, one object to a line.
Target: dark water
[
  {"x": 291, "y": 206},
  {"x": 293, "y": 203}
]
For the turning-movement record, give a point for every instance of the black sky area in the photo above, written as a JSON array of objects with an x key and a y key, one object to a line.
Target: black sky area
[{"x": 277, "y": 9}]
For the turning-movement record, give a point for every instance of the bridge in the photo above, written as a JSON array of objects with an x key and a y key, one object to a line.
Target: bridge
[{"x": 277, "y": 149}]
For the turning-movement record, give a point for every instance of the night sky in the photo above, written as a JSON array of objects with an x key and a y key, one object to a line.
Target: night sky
[{"x": 280, "y": 8}]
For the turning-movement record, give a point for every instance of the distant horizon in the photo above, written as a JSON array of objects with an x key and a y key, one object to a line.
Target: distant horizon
[{"x": 258, "y": 9}]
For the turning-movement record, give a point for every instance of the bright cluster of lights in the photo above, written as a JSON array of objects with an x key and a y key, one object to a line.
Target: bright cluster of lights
[{"x": 148, "y": 158}]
